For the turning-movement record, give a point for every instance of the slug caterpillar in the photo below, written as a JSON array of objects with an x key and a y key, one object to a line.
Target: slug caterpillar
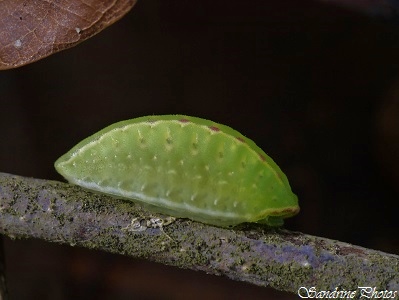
[{"x": 185, "y": 167}]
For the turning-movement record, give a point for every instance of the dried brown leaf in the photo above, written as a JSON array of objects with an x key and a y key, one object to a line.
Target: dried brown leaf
[{"x": 33, "y": 29}]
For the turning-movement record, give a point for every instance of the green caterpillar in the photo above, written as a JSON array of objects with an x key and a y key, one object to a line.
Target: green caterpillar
[{"x": 185, "y": 167}]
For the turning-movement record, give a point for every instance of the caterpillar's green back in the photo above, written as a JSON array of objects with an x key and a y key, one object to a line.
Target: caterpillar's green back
[{"x": 183, "y": 166}]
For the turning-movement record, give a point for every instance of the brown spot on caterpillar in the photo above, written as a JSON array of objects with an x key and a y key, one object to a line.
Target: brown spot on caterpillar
[
  {"x": 214, "y": 128},
  {"x": 289, "y": 211}
]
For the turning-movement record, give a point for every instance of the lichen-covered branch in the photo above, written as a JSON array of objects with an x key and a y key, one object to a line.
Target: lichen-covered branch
[{"x": 67, "y": 214}]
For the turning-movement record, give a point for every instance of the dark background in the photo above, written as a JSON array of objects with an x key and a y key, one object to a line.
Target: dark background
[{"x": 315, "y": 86}]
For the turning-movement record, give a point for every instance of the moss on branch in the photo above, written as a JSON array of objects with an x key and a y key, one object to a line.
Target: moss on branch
[{"x": 67, "y": 214}]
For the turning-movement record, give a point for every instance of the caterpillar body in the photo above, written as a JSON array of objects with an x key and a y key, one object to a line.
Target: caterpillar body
[{"x": 183, "y": 166}]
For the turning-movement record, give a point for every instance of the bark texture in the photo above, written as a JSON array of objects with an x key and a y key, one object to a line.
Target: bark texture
[{"x": 285, "y": 260}]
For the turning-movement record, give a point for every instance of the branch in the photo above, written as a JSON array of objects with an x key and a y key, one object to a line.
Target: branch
[{"x": 284, "y": 260}]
